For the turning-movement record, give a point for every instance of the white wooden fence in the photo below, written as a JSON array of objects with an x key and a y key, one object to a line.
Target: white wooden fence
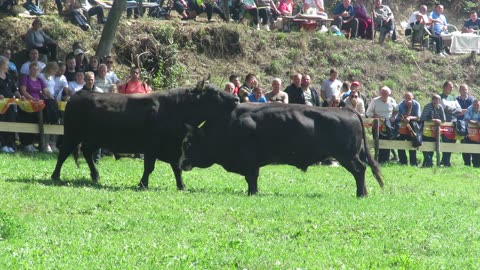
[{"x": 376, "y": 144}]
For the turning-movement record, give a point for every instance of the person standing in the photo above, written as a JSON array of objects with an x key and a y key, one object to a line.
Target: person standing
[
  {"x": 135, "y": 85},
  {"x": 32, "y": 88},
  {"x": 331, "y": 86},
  {"x": 433, "y": 111},
  {"x": 465, "y": 101},
  {"x": 452, "y": 109},
  {"x": 472, "y": 116},
  {"x": 247, "y": 88},
  {"x": 276, "y": 95},
  {"x": 408, "y": 111},
  {"x": 8, "y": 89},
  {"x": 383, "y": 107}
]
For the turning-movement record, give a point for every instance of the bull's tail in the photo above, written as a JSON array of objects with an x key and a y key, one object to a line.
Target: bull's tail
[
  {"x": 76, "y": 155},
  {"x": 371, "y": 162}
]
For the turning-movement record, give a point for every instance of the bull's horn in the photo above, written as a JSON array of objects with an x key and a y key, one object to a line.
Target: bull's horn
[
  {"x": 202, "y": 124},
  {"x": 201, "y": 84}
]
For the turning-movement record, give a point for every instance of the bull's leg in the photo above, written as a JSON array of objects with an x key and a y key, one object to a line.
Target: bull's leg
[
  {"x": 88, "y": 152},
  {"x": 178, "y": 176},
  {"x": 148, "y": 167},
  {"x": 357, "y": 168},
  {"x": 66, "y": 149},
  {"x": 252, "y": 178}
]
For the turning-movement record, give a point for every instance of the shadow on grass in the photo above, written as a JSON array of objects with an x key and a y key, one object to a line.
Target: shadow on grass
[
  {"x": 87, "y": 182},
  {"x": 82, "y": 183},
  {"x": 243, "y": 193}
]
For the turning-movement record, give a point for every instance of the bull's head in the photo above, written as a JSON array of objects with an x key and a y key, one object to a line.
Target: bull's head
[
  {"x": 209, "y": 101},
  {"x": 195, "y": 148}
]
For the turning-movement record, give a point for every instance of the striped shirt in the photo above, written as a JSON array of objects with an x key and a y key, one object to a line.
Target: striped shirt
[{"x": 430, "y": 112}]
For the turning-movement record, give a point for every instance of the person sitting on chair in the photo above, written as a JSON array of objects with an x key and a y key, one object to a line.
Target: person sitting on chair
[
  {"x": 384, "y": 21},
  {"x": 471, "y": 25},
  {"x": 439, "y": 27},
  {"x": 365, "y": 23},
  {"x": 344, "y": 18},
  {"x": 418, "y": 17}
]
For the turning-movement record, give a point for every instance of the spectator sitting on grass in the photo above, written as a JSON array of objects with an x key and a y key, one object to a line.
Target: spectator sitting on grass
[{"x": 37, "y": 39}]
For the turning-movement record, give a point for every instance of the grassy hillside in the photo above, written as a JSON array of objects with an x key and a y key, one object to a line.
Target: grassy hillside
[{"x": 183, "y": 52}]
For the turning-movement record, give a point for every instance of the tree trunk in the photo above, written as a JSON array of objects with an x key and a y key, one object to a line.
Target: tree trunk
[
  {"x": 110, "y": 28},
  {"x": 226, "y": 10}
]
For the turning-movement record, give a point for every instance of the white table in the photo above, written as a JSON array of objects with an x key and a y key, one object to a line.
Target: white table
[{"x": 465, "y": 43}]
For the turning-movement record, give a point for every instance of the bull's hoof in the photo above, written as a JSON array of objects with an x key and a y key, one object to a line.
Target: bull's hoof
[
  {"x": 55, "y": 177},
  {"x": 142, "y": 185},
  {"x": 95, "y": 178},
  {"x": 181, "y": 188}
]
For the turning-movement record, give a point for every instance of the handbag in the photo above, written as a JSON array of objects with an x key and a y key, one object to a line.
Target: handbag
[
  {"x": 461, "y": 127},
  {"x": 417, "y": 137}
]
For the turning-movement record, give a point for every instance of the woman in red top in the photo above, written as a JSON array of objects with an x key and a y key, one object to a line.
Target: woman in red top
[{"x": 135, "y": 85}]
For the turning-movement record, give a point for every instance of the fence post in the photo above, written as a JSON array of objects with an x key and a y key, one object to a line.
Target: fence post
[
  {"x": 437, "y": 144},
  {"x": 41, "y": 131},
  {"x": 376, "y": 137}
]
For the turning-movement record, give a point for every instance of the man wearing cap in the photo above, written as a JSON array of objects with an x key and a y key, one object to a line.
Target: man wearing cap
[{"x": 80, "y": 60}]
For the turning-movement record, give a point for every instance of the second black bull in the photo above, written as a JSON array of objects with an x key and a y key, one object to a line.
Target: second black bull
[
  {"x": 153, "y": 124},
  {"x": 255, "y": 135}
]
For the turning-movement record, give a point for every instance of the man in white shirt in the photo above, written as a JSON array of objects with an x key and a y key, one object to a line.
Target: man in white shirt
[
  {"x": 331, "y": 87},
  {"x": 417, "y": 17},
  {"x": 385, "y": 108},
  {"x": 33, "y": 55}
]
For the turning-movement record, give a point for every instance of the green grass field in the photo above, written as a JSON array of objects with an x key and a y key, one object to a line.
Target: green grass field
[{"x": 423, "y": 219}]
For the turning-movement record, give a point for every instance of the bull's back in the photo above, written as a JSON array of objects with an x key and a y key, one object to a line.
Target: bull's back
[
  {"x": 112, "y": 120},
  {"x": 295, "y": 133}
]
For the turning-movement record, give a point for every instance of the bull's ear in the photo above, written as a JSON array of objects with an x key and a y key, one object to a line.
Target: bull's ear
[{"x": 189, "y": 128}]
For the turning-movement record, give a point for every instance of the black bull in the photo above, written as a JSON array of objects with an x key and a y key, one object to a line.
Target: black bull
[
  {"x": 153, "y": 124},
  {"x": 255, "y": 135}
]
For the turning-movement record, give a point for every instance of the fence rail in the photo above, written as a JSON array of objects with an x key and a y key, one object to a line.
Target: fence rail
[{"x": 376, "y": 144}]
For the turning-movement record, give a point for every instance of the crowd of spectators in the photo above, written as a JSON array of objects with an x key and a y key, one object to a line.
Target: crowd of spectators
[
  {"x": 397, "y": 119},
  {"x": 54, "y": 81}
]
